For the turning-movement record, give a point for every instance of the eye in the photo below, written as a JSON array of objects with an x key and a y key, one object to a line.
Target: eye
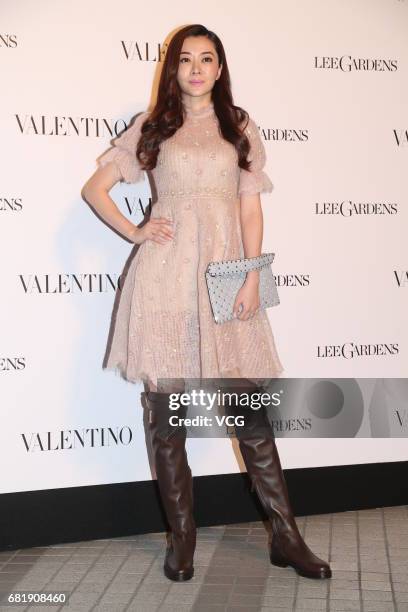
[
  {"x": 208, "y": 57},
  {"x": 183, "y": 58}
]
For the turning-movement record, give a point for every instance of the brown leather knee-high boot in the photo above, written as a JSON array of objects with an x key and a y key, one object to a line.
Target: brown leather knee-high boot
[
  {"x": 175, "y": 483},
  {"x": 257, "y": 445}
]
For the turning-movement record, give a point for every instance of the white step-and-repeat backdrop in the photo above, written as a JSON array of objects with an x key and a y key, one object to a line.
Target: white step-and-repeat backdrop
[{"x": 327, "y": 84}]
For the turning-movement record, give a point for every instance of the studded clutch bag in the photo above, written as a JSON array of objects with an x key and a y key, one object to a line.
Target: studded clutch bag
[{"x": 225, "y": 278}]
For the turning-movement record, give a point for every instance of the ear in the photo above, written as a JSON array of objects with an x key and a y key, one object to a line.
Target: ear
[{"x": 219, "y": 72}]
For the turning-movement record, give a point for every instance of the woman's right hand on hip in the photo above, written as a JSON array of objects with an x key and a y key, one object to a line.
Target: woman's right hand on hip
[{"x": 158, "y": 229}]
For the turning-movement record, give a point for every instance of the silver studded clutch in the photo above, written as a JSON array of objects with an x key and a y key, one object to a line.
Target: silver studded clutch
[{"x": 225, "y": 278}]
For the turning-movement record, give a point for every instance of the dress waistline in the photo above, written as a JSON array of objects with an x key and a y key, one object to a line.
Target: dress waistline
[{"x": 205, "y": 192}]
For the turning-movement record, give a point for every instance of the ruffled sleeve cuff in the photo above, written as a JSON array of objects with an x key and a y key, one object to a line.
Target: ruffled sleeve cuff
[
  {"x": 128, "y": 168},
  {"x": 254, "y": 182},
  {"x": 123, "y": 152}
]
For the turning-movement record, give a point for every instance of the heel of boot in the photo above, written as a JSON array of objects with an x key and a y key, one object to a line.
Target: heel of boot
[
  {"x": 179, "y": 575},
  {"x": 185, "y": 573}
]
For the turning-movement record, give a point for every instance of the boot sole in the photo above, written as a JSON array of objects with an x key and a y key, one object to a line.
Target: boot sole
[
  {"x": 323, "y": 574},
  {"x": 180, "y": 576}
]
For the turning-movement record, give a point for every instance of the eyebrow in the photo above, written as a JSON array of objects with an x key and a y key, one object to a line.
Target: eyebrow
[{"x": 202, "y": 52}]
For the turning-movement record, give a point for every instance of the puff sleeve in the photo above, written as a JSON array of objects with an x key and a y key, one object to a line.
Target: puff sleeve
[
  {"x": 123, "y": 152},
  {"x": 254, "y": 180}
]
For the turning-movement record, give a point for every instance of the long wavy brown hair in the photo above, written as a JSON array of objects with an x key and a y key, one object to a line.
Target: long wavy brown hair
[{"x": 167, "y": 116}]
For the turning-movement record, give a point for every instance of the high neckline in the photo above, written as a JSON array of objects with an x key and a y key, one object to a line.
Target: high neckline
[{"x": 206, "y": 111}]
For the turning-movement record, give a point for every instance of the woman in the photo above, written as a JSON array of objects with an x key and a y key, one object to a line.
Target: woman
[{"x": 207, "y": 160}]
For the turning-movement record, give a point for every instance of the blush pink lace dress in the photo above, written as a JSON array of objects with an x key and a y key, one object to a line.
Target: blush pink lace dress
[{"x": 164, "y": 326}]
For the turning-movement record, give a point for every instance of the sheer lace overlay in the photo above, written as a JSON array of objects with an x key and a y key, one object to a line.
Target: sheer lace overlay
[{"x": 164, "y": 326}]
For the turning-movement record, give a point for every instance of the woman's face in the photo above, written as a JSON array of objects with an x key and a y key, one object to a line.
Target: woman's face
[{"x": 198, "y": 67}]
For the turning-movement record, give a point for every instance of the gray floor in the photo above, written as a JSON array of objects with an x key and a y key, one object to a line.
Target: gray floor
[{"x": 368, "y": 551}]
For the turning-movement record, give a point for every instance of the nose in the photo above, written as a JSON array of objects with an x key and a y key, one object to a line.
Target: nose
[{"x": 196, "y": 67}]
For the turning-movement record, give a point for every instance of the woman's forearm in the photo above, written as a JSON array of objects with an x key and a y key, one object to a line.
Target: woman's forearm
[
  {"x": 101, "y": 201},
  {"x": 252, "y": 234}
]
